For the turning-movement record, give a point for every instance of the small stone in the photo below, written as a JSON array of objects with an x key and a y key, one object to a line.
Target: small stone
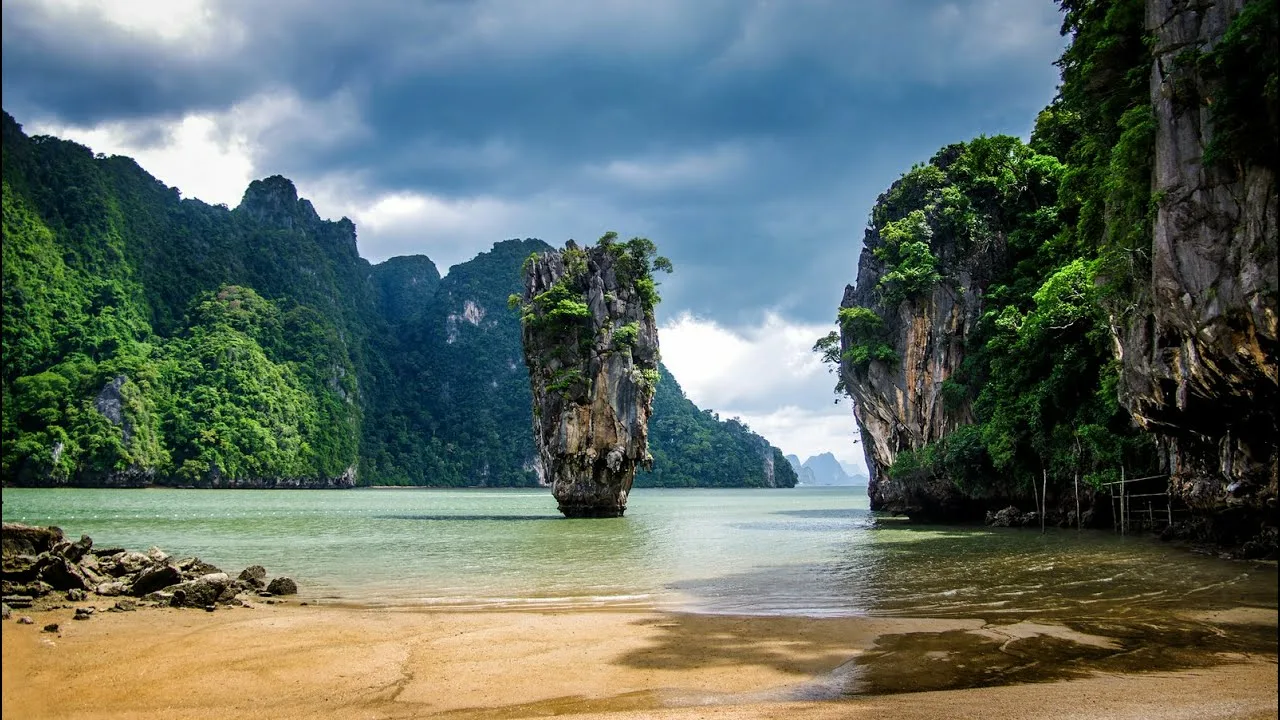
[
  {"x": 210, "y": 608},
  {"x": 76, "y": 595},
  {"x": 52, "y": 627},
  {"x": 26, "y": 620},
  {"x": 303, "y": 604},
  {"x": 6, "y": 611},
  {"x": 264, "y": 593}
]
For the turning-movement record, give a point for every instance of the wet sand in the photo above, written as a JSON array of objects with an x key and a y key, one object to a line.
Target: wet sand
[{"x": 289, "y": 661}]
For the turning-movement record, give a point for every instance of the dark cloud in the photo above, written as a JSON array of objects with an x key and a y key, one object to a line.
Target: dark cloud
[{"x": 748, "y": 139}]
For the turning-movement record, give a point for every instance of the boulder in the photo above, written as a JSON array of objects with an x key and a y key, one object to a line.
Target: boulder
[
  {"x": 18, "y": 601},
  {"x": 201, "y": 592},
  {"x": 76, "y": 595},
  {"x": 74, "y": 551},
  {"x": 1008, "y": 517},
  {"x": 194, "y": 567},
  {"x": 37, "y": 588},
  {"x": 5, "y": 611},
  {"x": 21, "y": 568},
  {"x": 26, "y": 620},
  {"x": 131, "y": 563},
  {"x": 19, "y": 539},
  {"x": 111, "y": 589},
  {"x": 159, "y": 597},
  {"x": 282, "y": 586},
  {"x": 53, "y": 627},
  {"x": 157, "y": 555},
  {"x": 254, "y": 576},
  {"x": 156, "y": 577},
  {"x": 61, "y": 574}
]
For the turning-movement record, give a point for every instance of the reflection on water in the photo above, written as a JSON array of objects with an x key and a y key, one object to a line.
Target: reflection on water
[{"x": 893, "y": 568}]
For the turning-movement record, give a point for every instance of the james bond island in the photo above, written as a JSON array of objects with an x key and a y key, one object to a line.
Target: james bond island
[{"x": 591, "y": 345}]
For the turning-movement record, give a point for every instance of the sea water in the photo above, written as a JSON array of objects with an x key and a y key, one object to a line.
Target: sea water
[{"x": 803, "y": 551}]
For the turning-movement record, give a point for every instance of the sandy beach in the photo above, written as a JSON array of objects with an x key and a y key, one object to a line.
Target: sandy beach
[{"x": 293, "y": 661}]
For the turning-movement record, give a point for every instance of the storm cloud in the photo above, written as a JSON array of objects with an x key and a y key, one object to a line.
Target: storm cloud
[{"x": 748, "y": 139}]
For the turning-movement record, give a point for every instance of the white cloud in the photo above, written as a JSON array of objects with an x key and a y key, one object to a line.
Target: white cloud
[
  {"x": 214, "y": 156},
  {"x": 766, "y": 374},
  {"x": 188, "y": 25},
  {"x": 806, "y": 432},
  {"x": 722, "y": 367},
  {"x": 195, "y": 155},
  {"x": 690, "y": 169}
]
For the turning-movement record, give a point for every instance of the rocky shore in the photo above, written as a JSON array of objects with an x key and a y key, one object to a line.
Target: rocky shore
[{"x": 42, "y": 569}]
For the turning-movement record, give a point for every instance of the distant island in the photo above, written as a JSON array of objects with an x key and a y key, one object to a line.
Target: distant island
[{"x": 824, "y": 469}]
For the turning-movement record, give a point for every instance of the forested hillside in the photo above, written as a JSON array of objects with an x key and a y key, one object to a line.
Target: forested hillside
[
  {"x": 153, "y": 339},
  {"x": 1096, "y": 303}
]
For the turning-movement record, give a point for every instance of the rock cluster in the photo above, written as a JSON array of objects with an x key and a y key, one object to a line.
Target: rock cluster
[
  {"x": 593, "y": 364},
  {"x": 39, "y": 561}
]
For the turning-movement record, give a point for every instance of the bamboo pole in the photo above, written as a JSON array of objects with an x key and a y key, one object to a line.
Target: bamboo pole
[
  {"x": 1124, "y": 510},
  {"x": 1044, "y": 498},
  {"x": 1077, "y": 483},
  {"x": 1035, "y": 496}
]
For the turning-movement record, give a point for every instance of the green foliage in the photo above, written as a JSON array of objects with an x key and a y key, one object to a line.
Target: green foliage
[
  {"x": 255, "y": 343},
  {"x": 1243, "y": 74},
  {"x": 866, "y": 341},
  {"x": 695, "y": 448},
  {"x": 911, "y": 268},
  {"x": 625, "y": 336},
  {"x": 565, "y": 379},
  {"x": 865, "y": 334}
]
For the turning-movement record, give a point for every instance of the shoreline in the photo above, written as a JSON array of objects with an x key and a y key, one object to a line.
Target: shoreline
[{"x": 329, "y": 660}]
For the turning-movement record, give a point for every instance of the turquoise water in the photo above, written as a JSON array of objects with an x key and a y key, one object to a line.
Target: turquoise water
[{"x": 803, "y": 551}]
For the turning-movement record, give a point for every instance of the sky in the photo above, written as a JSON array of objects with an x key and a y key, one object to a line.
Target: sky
[{"x": 749, "y": 139}]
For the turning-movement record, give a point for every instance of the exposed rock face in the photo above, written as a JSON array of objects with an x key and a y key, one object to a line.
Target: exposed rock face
[
  {"x": 899, "y": 405},
  {"x": 1199, "y": 360},
  {"x": 592, "y": 377}
]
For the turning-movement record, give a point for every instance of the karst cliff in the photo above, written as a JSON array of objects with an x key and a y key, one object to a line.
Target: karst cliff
[
  {"x": 1034, "y": 322},
  {"x": 591, "y": 345},
  {"x": 1199, "y": 357}
]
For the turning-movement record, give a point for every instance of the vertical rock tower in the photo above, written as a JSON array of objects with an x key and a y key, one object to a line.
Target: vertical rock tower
[{"x": 591, "y": 345}]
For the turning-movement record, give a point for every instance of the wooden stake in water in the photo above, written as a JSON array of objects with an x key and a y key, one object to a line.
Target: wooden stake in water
[{"x": 1044, "y": 498}]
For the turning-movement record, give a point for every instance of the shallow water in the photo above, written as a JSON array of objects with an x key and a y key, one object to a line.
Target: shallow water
[
  {"x": 804, "y": 551},
  {"x": 1028, "y": 607}
]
